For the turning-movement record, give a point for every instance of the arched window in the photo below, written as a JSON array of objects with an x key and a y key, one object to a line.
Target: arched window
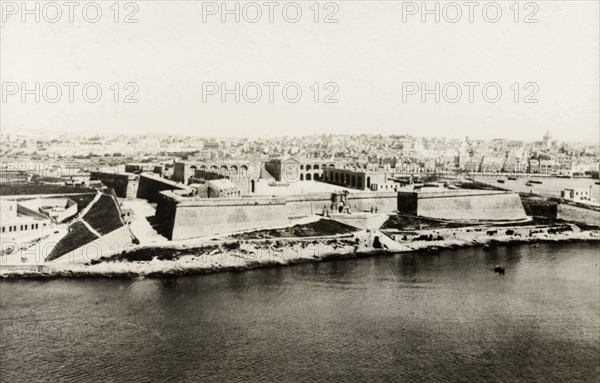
[{"x": 308, "y": 177}]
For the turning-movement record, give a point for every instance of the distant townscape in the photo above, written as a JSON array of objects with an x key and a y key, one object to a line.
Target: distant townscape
[{"x": 399, "y": 152}]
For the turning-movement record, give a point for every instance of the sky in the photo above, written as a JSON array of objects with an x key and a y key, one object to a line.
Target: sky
[{"x": 365, "y": 73}]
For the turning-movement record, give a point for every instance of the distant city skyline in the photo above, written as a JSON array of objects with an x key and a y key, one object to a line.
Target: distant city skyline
[{"x": 50, "y": 133}]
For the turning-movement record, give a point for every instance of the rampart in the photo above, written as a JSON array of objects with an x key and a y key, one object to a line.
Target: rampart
[
  {"x": 124, "y": 185},
  {"x": 150, "y": 186},
  {"x": 485, "y": 205},
  {"x": 185, "y": 217}
]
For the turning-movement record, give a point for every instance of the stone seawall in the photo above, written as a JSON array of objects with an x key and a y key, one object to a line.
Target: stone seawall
[{"x": 463, "y": 205}]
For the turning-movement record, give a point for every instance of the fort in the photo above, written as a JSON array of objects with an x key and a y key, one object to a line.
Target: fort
[
  {"x": 203, "y": 200},
  {"x": 189, "y": 217}
]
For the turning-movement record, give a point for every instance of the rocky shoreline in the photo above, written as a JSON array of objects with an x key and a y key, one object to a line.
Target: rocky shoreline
[{"x": 152, "y": 262}]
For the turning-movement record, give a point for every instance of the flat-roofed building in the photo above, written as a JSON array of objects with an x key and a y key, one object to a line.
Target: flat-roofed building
[
  {"x": 14, "y": 220},
  {"x": 57, "y": 209},
  {"x": 223, "y": 188}
]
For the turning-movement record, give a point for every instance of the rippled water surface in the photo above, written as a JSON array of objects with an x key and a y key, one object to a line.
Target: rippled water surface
[{"x": 409, "y": 318}]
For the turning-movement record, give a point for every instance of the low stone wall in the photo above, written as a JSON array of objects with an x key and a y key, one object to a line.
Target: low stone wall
[{"x": 463, "y": 205}]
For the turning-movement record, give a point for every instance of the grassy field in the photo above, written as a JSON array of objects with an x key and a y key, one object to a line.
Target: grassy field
[
  {"x": 28, "y": 188},
  {"x": 77, "y": 237},
  {"x": 104, "y": 216},
  {"x": 539, "y": 206}
]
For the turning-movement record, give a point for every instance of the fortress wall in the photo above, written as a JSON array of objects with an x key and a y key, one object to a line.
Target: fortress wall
[
  {"x": 309, "y": 204},
  {"x": 383, "y": 201},
  {"x": 306, "y": 205},
  {"x": 166, "y": 209},
  {"x": 408, "y": 202},
  {"x": 132, "y": 189},
  {"x": 150, "y": 186},
  {"x": 192, "y": 221},
  {"x": 117, "y": 182},
  {"x": 471, "y": 206},
  {"x": 183, "y": 218}
]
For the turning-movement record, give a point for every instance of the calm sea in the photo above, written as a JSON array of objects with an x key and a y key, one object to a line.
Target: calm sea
[
  {"x": 406, "y": 318},
  {"x": 550, "y": 186}
]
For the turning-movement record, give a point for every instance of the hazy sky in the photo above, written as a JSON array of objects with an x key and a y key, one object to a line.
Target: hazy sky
[{"x": 369, "y": 54}]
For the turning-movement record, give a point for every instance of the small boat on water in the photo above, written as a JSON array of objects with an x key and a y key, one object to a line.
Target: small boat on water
[
  {"x": 511, "y": 178},
  {"x": 500, "y": 181},
  {"x": 535, "y": 181},
  {"x": 528, "y": 184}
]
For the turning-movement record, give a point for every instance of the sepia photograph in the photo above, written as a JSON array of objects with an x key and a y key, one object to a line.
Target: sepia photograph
[{"x": 300, "y": 191}]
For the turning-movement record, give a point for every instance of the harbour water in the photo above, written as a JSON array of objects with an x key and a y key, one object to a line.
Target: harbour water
[
  {"x": 443, "y": 317},
  {"x": 550, "y": 186}
]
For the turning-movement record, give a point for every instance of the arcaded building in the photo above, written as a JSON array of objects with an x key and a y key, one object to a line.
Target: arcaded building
[
  {"x": 293, "y": 169},
  {"x": 362, "y": 179}
]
